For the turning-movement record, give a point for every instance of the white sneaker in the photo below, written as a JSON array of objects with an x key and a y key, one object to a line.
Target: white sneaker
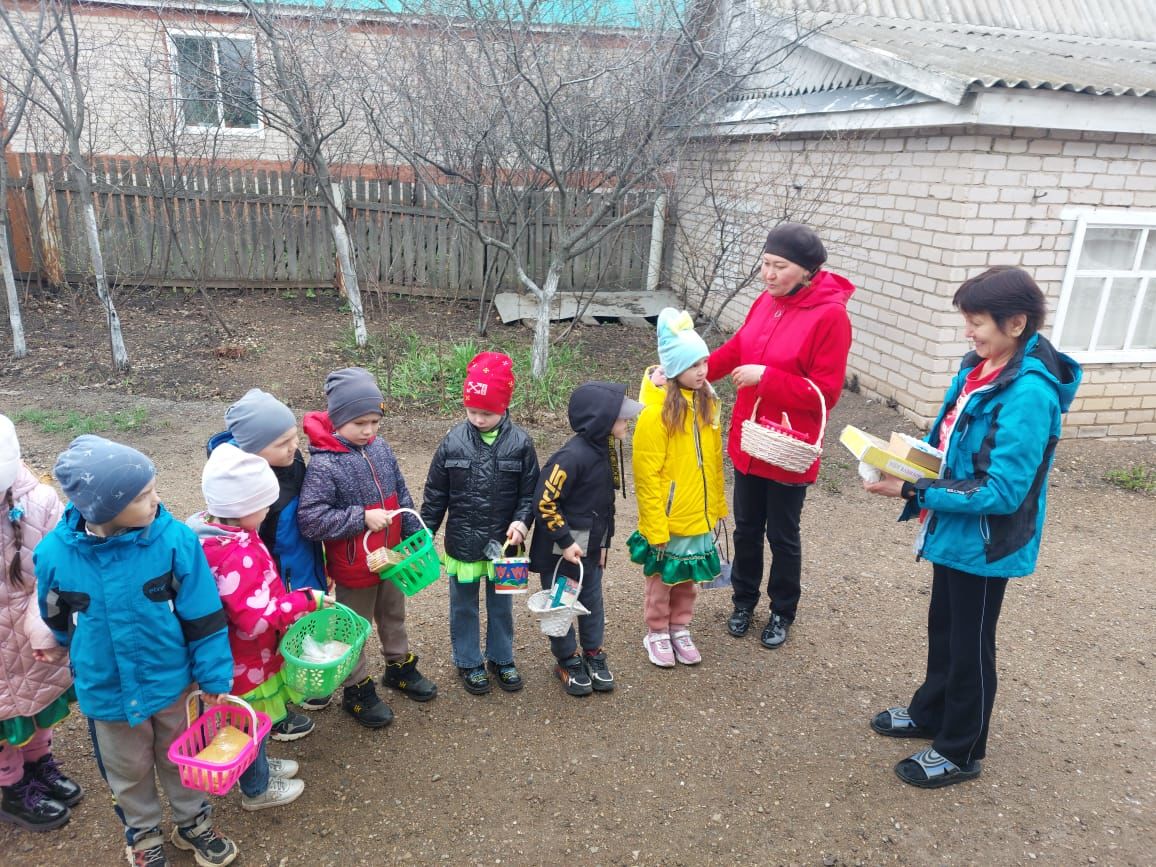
[
  {"x": 279, "y": 793},
  {"x": 658, "y": 648},
  {"x": 684, "y": 649},
  {"x": 283, "y": 769}
]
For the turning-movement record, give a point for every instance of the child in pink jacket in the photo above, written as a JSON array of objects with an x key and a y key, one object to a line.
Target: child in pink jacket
[
  {"x": 35, "y": 684},
  {"x": 239, "y": 488}
]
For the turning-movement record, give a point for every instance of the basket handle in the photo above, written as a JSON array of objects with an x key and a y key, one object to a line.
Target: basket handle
[
  {"x": 822, "y": 409},
  {"x": 508, "y": 545},
  {"x": 413, "y": 512},
  {"x": 581, "y": 573},
  {"x": 195, "y": 695}
]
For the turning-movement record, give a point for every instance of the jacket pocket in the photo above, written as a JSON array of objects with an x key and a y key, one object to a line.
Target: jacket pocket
[
  {"x": 163, "y": 588},
  {"x": 458, "y": 472},
  {"x": 509, "y": 479}
]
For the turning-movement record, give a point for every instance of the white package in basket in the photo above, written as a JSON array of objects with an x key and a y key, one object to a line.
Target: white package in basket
[{"x": 314, "y": 651}]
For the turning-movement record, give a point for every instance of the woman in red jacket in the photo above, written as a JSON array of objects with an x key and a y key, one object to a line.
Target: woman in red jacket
[{"x": 797, "y": 330}]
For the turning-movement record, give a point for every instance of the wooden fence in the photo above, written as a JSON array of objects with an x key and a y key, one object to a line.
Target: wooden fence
[{"x": 225, "y": 227}]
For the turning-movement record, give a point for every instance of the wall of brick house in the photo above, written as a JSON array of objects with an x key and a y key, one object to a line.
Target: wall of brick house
[{"x": 911, "y": 214}]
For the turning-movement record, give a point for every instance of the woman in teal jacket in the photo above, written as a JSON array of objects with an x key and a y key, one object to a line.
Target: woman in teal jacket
[{"x": 981, "y": 521}]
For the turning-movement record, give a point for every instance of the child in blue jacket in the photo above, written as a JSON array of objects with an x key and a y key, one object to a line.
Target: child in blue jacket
[{"x": 127, "y": 589}]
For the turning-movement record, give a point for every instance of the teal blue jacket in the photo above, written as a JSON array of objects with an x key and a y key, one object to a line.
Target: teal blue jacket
[
  {"x": 139, "y": 613},
  {"x": 987, "y": 511}
]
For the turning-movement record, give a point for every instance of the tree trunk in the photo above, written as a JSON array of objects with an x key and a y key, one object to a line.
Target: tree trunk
[
  {"x": 115, "y": 338},
  {"x": 345, "y": 263},
  {"x": 541, "y": 347},
  {"x": 19, "y": 348}
]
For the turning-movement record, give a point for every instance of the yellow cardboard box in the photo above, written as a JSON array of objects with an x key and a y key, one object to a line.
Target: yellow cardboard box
[{"x": 874, "y": 451}]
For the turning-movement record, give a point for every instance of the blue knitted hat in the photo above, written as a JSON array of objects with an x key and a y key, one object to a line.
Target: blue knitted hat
[
  {"x": 101, "y": 477},
  {"x": 679, "y": 346}
]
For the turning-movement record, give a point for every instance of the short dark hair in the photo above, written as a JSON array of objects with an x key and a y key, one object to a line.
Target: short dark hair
[{"x": 1001, "y": 293}]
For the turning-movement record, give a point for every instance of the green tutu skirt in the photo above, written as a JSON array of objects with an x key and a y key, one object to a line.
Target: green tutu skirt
[
  {"x": 19, "y": 730},
  {"x": 468, "y": 573},
  {"x": 684, "y": 558},
  {"x": 270, "y": 698}
]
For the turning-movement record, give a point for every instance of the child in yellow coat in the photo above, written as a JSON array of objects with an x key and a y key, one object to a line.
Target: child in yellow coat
[{"x": 678, "y": 478}]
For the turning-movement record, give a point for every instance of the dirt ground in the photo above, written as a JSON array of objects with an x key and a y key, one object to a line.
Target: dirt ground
[{"x": 753, "y": 757}]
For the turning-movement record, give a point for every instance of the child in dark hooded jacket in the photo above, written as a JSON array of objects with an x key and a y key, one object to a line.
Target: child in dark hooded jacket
[{"x": 574, "y": 521}]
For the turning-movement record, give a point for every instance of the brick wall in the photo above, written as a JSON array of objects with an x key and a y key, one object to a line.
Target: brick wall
[{"x": 910, "y": 215}]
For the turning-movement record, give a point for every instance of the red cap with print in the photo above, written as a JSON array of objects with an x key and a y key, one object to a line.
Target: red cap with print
[{"x": 489, "y": 382}]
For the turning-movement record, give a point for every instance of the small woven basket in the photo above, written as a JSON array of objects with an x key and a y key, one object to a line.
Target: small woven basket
[
  {"x": 778, "y": 449},
  {"x": 411, "y": 566},
  {"x": 554, "y": 620}
]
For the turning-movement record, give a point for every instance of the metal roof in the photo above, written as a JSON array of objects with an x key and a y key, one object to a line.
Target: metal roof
[
  {"x": 1115, "y": 19},
  {"x": 946, "y": 60}
]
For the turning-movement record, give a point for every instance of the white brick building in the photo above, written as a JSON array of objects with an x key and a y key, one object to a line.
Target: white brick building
[{"x": 1024, "y": 135}]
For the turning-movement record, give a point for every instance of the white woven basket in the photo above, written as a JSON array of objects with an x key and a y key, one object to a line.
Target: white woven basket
[
  {"x": 555, "y": 620},
  {"x": 786, "y": 452}
]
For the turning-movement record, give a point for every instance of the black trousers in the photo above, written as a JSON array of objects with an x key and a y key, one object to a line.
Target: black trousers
[
  {"x": 958, "y": 691},
  {"x": 770, "y": 510}
]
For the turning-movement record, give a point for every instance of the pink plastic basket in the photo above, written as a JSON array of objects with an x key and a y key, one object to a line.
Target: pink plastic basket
[{"x": 211, "y": 777}]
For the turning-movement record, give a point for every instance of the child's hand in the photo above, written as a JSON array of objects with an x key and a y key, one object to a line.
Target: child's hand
[
  {"x": 573, "y": 554},
  {"x": 323, "y": 599},
  {"x": 212, "y": 698},
  {"x": 376, "y": 519},
  {"x": 516, "y": 533},
  {"x": 658, "y": 377},
  {"x": 602, "y": 559},
  {"x": 51, "y": 655}
]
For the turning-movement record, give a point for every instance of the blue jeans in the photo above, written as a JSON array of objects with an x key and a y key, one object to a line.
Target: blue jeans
[
  {"x": 465, "y": 625},
  {"x": 590, "y": 626},
  {"x": 255, "y": 779}
]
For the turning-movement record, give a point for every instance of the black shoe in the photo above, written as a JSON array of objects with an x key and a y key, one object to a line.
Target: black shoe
[
  {"x": 361, "y": 702},
  {"x": 508, "y": 678},
  {"x": 148, "y": 850},
  {"x": 739, "y": 622},
  {"x": 60, "y": 788},
  {"x": 775, "y": 632},
  {"x": 27, "y": 804},
  {"x": 475, "y": 680},
  {"x": 404, "y": 676},
  {"x": 317, "y": 703},
  {"x": 572, "y": 672},
  {"x": 209, "y": 848},
  {"x": 294, "y": 727},
  {"x": 600, "y": 677}
]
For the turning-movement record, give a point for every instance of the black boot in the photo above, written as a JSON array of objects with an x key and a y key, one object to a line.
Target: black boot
[
  {"x": 27, "y": 804},
  {"x": 361, "y": 702},
  {"x": 60, "y": 788},
  {"x": 403, "y": 675}
]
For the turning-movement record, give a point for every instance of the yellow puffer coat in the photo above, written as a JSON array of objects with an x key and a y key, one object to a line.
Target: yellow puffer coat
[{"x": 679, "y": 484}]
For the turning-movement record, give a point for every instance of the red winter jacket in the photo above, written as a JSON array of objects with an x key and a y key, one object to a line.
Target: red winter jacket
[{"x": 797, "y": 337}]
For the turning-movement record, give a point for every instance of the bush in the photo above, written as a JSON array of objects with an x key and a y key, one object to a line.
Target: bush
[{"x": 1138, "y": 478}]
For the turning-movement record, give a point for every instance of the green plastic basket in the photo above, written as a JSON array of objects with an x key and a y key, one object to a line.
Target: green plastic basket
[
  {"x": 325, "y": 624},
  {"x": 420, "y": 567}
]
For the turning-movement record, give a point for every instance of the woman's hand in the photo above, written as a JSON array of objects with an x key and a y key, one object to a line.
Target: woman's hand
[
  {"x": 748, "y": 375},
  {"x": 573, "y": 554},
  {"x": 890, "y": 486},
  {"x": 376, "y": 519}
]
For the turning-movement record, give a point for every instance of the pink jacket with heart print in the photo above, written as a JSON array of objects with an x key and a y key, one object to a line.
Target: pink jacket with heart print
[
  {"x": 256, "y": 604},
  {"x": 26, "y": 686}
]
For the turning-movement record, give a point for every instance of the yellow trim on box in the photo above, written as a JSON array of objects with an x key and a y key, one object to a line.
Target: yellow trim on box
[{"x": 872, "y": 450}]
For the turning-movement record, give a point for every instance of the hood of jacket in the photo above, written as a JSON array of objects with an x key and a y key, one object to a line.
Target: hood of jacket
[
  {"x": 198, "y": 524},
  {"x": 24, "y": 483},
  {"x": 826, "y": 288},
  {"x": 593, "y": 410},
  {"x": 1038, "y": 357},
  {"x": 78, "y": 535},
  {"x": 322, "y": 438}
]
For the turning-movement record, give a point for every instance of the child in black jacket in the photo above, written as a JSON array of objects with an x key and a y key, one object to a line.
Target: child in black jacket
[
  {"x": 574, "y": 504},
  {"x": 484, "y": 474}
]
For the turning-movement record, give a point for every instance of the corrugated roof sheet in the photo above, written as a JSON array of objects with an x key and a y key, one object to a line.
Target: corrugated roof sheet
[
  {"x": 997, "y": 57},
  {"x": 1114, "y": 19}
]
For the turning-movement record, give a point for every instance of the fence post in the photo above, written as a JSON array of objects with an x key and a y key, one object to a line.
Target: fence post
[
  {"x": 657, "y": 226},
  {"x": 48, "y": 233}
]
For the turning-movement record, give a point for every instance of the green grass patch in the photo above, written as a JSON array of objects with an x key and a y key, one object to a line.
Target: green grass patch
[
  {"x": 1138, "y": 478},
  {"x": 73, "y": 422},
  {"x": 426, "y": 372}
]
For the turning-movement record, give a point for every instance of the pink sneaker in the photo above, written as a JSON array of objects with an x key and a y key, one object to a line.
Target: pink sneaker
[
  {"x": 658, "y": 647},
  {"x": 684, "y": 649}
]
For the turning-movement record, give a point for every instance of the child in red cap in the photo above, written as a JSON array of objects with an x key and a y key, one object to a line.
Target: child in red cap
[{"x": 483, "y": 475}]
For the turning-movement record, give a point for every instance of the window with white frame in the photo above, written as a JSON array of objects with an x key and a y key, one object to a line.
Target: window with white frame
[
  {"x": 215, "y": 81},
  {"x": 1108, "y": 299}
]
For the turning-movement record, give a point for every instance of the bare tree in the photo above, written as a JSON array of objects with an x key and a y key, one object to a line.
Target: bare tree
[
  {"x": 49, "y": 47},
  {"x": 305, "y": 88},
  {"x": 492, "y": 103},
  {"x": 9, "y": 124}
]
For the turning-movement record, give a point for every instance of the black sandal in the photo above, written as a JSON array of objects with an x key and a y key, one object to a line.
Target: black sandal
[
  {"x": 895, "y": 722},
  {"x": 927, "y": 769}
]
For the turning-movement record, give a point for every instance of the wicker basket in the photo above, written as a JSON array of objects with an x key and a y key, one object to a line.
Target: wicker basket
[
  {"x": 555, "y": 620},
  {"x": 778, "y": 449}
]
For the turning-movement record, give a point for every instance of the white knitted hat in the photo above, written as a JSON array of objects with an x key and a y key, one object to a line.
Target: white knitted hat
[
  {"x": 236, "y": 483},
  {"x": 9, "y": 453}
]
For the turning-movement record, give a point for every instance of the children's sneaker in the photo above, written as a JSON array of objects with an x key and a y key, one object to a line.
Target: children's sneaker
[
  {"x": 475, "y": 680},
  {"x": 148, "y": 851},
  {"x": 658, "y": 648},
  {"x": 361, "y": 702},
  {"x": 284, "y": 769},
  {"x": 318, "y": 703},
  {"x": 684, "y": 649},
  {"x": 508, "y": 677},
  {"x": 60, "y": 788},
  {"x": 600, "y": 677},
  {"x": 209, "y": 848},
  {"x": 572, "y": 672},
  {"x": 403, "y": 675},
  {"x": 279, "y": 793},
  {"x": 294, "y": 727}
]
